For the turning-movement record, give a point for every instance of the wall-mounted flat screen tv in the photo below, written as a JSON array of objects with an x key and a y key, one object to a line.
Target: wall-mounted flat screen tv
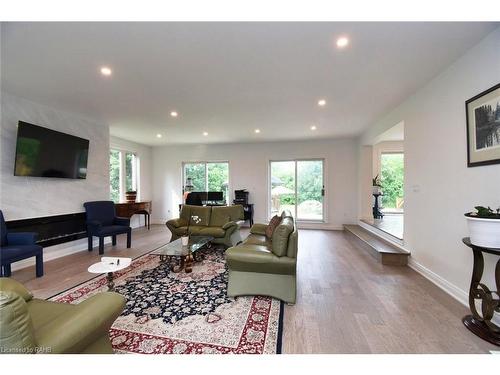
[{"x": 42, "y": 152}]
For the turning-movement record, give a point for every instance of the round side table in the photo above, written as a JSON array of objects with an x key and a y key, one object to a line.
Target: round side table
[
  {"x": 481, "y": 324},
  {"x": 108, "y": 265}
]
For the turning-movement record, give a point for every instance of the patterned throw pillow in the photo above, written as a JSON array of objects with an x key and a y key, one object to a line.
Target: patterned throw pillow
[{"x": 275, "y": 221}]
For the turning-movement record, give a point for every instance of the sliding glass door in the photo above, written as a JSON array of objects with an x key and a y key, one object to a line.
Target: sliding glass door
[{"x": 297, "y": 185}]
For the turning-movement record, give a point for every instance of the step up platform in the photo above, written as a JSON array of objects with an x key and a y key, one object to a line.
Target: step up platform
[{"x": 382, "y": 250}]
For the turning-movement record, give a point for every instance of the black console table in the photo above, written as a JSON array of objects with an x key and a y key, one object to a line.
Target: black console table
[{"x": 481, "y": 324}]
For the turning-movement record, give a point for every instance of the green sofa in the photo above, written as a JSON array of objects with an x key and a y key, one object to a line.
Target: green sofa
[
  {"x": 220, "y": 222},
  {"x": 30, "y": 325},
  {"x": 262, "y": 266}
]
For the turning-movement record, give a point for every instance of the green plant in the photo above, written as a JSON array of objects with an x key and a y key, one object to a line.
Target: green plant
[
  {"x": 376, "y": 181},
  {"x": 487, "y": 212}
]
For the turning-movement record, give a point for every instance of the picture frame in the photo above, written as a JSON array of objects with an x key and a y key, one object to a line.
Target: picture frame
[{"x": 483, "y": 128}]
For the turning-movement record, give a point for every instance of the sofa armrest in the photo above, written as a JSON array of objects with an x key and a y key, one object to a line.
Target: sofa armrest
[
  {"x": 259, "y": 229},
  {"x": 22, "y": 238},
  {"x": 229, "y": 225},
  {"x": 177, "y": 223},
  {"x": 76, "y": 329},
  {"x": 10, "y": 285},
  {"x": 123, "y": 221}
]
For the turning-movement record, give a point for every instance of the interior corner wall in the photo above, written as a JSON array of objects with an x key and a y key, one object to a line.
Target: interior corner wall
[
  {"x": 26, "y": 197},
  {"x": 249, "y": 169},
  {"x": 439, "y": 187}
]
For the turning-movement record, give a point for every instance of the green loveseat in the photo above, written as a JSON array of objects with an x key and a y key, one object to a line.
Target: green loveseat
[
  {"x": 30, "y": 325},
  {"x": 220, "y": 222},
  {"x": 262, "y": 266}
]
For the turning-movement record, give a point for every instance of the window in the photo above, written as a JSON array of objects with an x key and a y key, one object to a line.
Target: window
[
  {"x": 392, "y": 180},
  {"x": 207, "y": 176},
  {"x": 123, "y": 173},
  {"x": 297, "y": 185}
]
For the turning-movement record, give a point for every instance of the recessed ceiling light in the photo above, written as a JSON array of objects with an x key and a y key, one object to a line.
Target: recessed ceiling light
[
  {"x": 158, "y": 135},
  {"x": 174, "y": 114},
  {"x": 322, "y": 102},
  {"x": 313, "y": 127},
  {"x": 106, "y": 71},
  {"x": 342, "y": 42},
  {"x": 205, "y": 134},
  {"x": 257, "y": 131}
]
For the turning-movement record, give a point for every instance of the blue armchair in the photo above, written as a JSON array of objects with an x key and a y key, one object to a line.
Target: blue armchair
[
  {"x": 103, "y": 222},
  {"x": 18, "y": 246}
]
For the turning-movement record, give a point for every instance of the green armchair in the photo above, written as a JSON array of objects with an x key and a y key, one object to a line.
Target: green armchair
[
  {"x": 220, "y": 222},
  {"x": 30, "y": 325},
  {"x": 262, "y": 266}
]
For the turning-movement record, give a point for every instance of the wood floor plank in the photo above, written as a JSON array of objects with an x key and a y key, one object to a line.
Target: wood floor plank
[{"x": 347, "y": 302}]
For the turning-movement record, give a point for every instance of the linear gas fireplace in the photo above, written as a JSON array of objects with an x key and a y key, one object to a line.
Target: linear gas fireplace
[{"x": 52, "y": 230}]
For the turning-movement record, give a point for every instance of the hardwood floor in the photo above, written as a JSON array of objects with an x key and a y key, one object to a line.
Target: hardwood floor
[{"x": 347, "y": 302}]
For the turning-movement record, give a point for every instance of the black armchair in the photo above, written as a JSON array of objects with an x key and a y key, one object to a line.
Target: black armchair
[
  {"x": 103, "y": 222},
  {"x": 18, "y": 246}
]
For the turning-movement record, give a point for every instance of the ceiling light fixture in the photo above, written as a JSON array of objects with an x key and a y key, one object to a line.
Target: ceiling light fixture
[
  {"x": 313, "y": 127},
  {"x": 174, "y": 114},
  {"x": 158, "y": 135},
  {"x": 257, "y": 131},
  {"x": 106, "y": 71},
  {"x": 342, "y": 42},
  {"x": 322, "y": 102},
  {"x": 205, "y": 134}
]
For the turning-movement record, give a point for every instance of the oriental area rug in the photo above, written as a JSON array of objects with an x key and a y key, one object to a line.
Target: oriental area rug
[{"x": 185, "y": 313}]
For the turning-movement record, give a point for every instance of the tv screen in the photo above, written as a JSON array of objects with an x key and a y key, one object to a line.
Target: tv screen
[{"x": 42, "y": 152}]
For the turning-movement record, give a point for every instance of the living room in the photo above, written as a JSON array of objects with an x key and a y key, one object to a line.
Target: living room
[{"x": 250, "y": 188}]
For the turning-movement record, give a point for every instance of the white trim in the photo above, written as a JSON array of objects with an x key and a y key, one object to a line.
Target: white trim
[{"x": 454, "y": 291}]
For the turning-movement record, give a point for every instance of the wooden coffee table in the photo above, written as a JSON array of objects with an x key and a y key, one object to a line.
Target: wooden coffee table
[{"x": 184, "y": 254}]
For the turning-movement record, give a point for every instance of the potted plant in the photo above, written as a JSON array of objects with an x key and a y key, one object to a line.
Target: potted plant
[
  {"x": 131, "y": 196},
  {"x": 484, "y": 227},
  {"x": 376, "y": 185}
]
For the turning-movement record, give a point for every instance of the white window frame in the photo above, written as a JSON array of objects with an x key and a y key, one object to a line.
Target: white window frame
[
  {"x": 269, "y": 187},
  {"x": 135, "y": 172}
]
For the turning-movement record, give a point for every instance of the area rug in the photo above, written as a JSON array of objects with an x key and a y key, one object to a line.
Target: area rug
[{"x": 185, "y": 313}]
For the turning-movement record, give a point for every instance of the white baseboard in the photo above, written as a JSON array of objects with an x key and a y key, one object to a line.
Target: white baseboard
[{"x": 460, "y": 295}]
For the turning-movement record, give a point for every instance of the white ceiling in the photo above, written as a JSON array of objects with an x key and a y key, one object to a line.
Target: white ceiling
[{"x": 228, "y": 78}]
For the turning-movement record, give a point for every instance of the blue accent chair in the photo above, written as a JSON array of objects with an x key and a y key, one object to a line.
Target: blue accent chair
[
  {"x": 18, "y": 246},
  {"x": 103, "y": 222}
]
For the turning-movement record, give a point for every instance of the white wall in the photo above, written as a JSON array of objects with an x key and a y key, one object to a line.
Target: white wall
[
  {"x": 439, "y": 188},
  {"x": 25, "y": 197},
  {"x": 249, "y": 169}
]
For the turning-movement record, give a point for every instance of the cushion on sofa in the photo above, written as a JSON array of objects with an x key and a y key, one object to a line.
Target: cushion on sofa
[
  {"x": 273, "y": 223},
  {"x": 200, "y": 215},
  {"x": 256, "y": 239},
  {"x": 255, "y": 258},
  {"x": 216, "y": 232},
  {"x": 219, "y": 217},
  {"x": 280, "y": 236}
]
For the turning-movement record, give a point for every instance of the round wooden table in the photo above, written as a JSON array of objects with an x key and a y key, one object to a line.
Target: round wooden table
[{"x": 480, "y": 323}]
